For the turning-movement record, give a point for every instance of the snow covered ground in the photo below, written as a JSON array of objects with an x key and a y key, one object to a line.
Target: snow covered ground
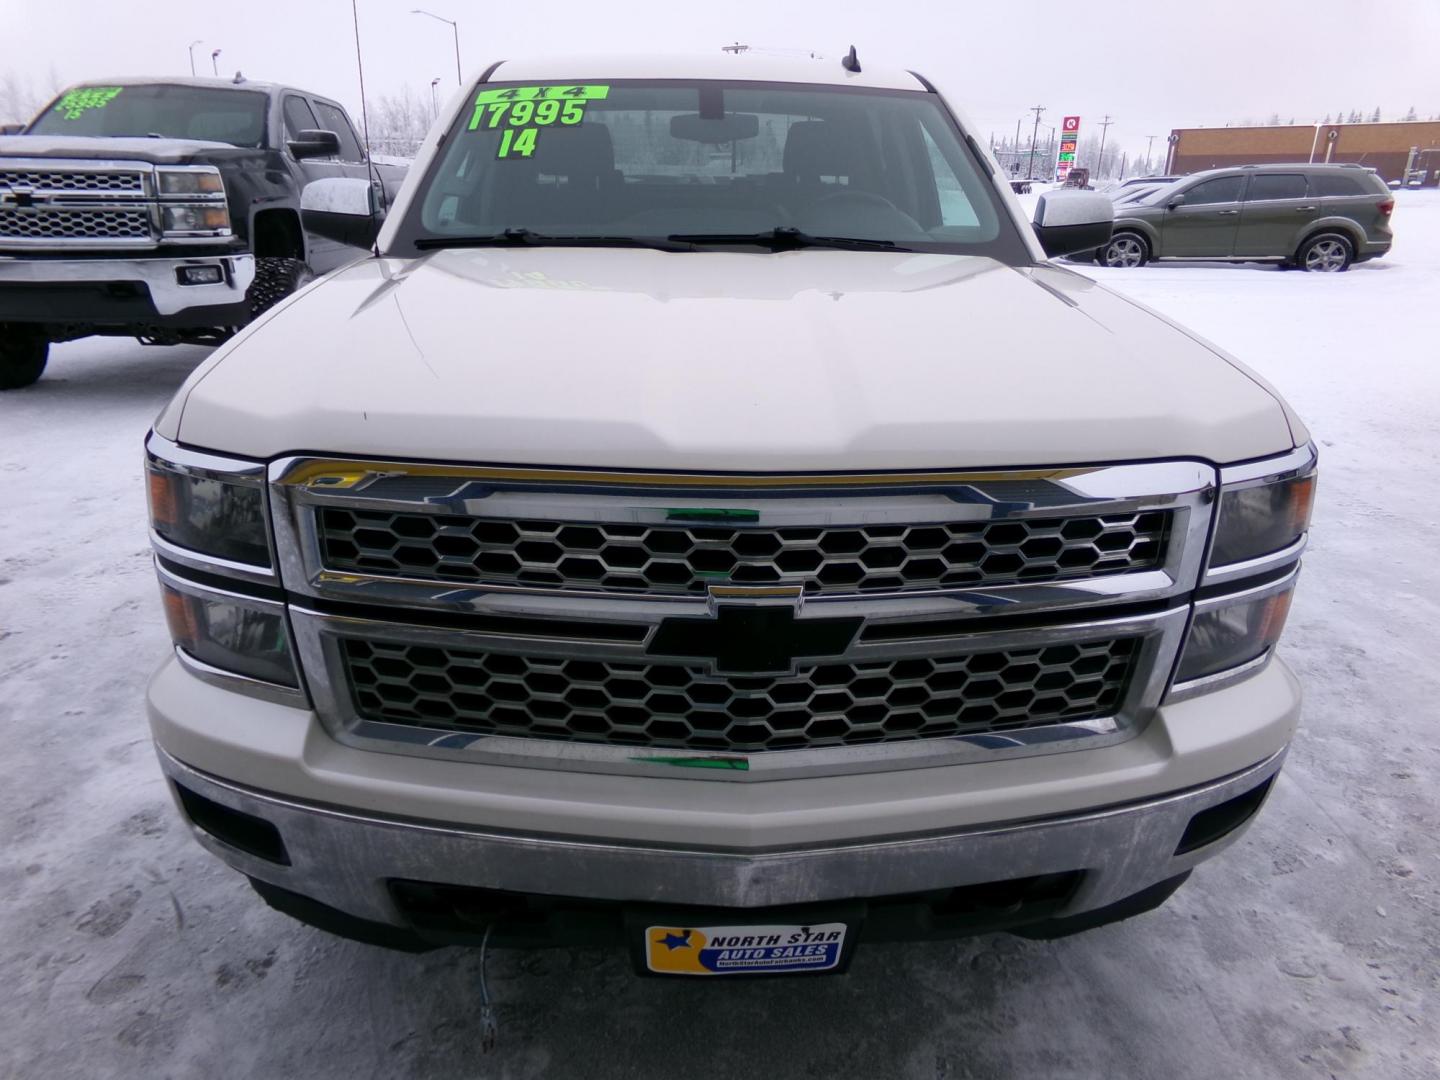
[{"x": 1307, "y": 950}]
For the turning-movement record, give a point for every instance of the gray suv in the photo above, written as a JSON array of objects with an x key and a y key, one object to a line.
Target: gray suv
[{"x": 1315, "y": 217}]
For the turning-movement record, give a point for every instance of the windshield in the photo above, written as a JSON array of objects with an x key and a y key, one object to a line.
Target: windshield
[
  {"x": 170, "y": 112},
  {"x": 710, "y": 162}
]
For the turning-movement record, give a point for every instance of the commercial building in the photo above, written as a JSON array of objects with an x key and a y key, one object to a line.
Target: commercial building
[{"x": 1407, "y": 152}]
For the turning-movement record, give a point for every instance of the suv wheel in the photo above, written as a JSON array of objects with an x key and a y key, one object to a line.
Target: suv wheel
[
  {"x": 275, "y": 279},
  {"x": 23, "y": 354},
  {"x": 1328, "y": 253},
  {"x": 1125, "y": 249}
]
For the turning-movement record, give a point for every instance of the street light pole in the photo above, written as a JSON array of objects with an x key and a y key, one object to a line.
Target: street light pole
[
  {"x": 1034, "y": 134},
  {"x": 455, "y": 28},
  {"x": 197, "y": 41},
  {"x": 215, "y": 62}
]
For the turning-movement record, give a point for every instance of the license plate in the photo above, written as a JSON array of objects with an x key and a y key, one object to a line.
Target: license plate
[{"x": 743, "y": 950}]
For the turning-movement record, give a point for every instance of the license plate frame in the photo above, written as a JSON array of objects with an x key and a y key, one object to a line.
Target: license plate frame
[{"x": 730, "y": 944}]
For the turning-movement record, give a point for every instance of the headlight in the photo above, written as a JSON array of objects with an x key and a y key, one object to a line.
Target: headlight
[
  {"x": 192, "y": 219},
  {"x": 1264, "y": 516},
  {"x": 210, "y": 511},
  {"x": 1231, "y": 632},
  {"x": 236, "y": 634},
  {"x": 191, "y": 181}
]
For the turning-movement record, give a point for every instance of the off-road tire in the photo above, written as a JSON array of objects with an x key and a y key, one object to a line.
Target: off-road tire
[
  {"x": 1326, "y": 253},
  {"x": 23, "y": 354},
  {"x": 1125, "y": 250},
  {"x": 275, "y": 279}
]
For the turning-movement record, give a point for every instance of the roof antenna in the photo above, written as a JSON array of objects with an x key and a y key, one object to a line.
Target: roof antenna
[{"x": 851, "y": 62}]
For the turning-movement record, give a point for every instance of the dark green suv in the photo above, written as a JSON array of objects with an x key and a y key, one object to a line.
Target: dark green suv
[{"x": 1314, "y": 217}]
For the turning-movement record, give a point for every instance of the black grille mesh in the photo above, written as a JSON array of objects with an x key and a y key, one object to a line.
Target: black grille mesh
[
  {"x": 685, "y": 559},
  {"x": 684, "y": 707}
]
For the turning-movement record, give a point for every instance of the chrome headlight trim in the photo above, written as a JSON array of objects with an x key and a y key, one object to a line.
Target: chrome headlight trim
[
  {"x": 1297, "y": 463},
  {"x": 161, "y": 454}
]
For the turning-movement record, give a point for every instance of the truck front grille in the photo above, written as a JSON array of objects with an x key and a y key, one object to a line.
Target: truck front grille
[
  {"x": 684, "y": 707},
  {"x": 687, "y": 559},
  {"x": 78, "y": 180},
  {"x": 74, "y": 224}
]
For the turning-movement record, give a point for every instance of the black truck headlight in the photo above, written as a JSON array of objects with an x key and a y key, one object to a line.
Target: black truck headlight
[
  {"x": 191, "y": 180},
  {"x": 236, "y": 634},
  {"x": 1229, "y": 633},
  {"x": 211, "y": 506},
  {"x": 197, "y": 218},
  {"x": 1263, "y": 516}
]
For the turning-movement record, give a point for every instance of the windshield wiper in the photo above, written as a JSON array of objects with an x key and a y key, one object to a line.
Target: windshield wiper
[
  {"x": 786, "y": 238},
  {"x": 527, "y": 238}
]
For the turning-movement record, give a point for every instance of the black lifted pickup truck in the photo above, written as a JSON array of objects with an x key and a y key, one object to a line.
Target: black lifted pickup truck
[{"x": 165, "y": 209}]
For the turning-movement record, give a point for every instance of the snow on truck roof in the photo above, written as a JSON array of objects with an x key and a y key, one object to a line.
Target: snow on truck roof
[{"x": 746, "y": 67}]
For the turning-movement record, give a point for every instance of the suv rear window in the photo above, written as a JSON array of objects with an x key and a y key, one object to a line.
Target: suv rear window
[
  {"x": 1276, "y": 186},
  {"x": 656, "y": 159},
  {"x": 1334, "y": 184}
]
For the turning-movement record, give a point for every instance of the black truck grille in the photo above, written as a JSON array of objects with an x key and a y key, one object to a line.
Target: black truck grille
[
  {"x": 77, "y": 180},
  {"x": 686, "y": 559},
  {"x": 684, "y": 707},
  {"x": 70, "y": 224}
]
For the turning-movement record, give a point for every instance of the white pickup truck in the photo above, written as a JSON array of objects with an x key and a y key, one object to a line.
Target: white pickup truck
[{"x": 708, "y": 523}]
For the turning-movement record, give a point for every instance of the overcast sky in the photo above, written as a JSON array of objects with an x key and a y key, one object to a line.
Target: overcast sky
[{"x": 1150, "y": 64}]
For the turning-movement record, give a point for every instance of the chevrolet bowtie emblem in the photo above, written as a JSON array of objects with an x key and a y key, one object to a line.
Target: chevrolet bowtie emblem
[{"x": 753, "y": 639}]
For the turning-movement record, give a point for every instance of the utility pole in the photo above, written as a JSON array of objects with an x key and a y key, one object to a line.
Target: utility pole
[
  {"x": 1034, "y": 134},
  {"x": 1104, "y": 130},
  {"x": 215, "y": 62},
  {"x": 434, "y": 96},
  {"x": 197, "y": 41},
  {"x": 1149, "y": 142}
]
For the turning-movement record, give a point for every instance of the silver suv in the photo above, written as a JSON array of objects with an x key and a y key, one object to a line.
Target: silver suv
[{"x": 1315, "y": 217}]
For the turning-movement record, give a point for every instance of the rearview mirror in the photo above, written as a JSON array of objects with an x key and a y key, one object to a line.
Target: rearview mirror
[
  {"x": 340, "y": 208},
  {"x": 1070, "y": 221},
  {"x": 692, "y": 127},
  {"x": 1176, "y": 200},
  {"x": 11, "y": 129},
  {"x": 313, "y": 143}
]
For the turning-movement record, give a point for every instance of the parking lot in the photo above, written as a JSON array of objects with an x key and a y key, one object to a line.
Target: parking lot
[{"x": 1308, "y": 950}]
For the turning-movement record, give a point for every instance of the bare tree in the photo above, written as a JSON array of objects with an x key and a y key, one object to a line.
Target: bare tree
[{"x": 398, "y": 122}]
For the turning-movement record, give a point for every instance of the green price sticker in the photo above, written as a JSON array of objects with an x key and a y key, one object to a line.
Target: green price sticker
[
  {"x": 76, "y": 103},
  {"x": 519, "y": 112}
]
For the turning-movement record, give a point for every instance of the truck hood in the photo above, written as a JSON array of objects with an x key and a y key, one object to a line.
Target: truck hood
[
  {"x": 804, "y": 360},
  {"x": 157, "y": 151}
]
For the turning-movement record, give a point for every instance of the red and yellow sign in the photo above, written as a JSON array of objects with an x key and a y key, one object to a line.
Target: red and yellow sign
[{"x": 1069, "y": 140}]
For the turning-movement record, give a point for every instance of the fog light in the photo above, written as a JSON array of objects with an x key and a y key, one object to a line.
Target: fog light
[{"x": 200, "y": 275}]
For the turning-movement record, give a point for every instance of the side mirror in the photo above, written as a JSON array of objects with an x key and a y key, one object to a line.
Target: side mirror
[
  {"x": 1071, "y": 221},
  {"x": 313, "y": 143},
  {"x": 340, "y": 208},
  {"x": 1177, "y": 200},
  {"x": 11, "y": 129}
]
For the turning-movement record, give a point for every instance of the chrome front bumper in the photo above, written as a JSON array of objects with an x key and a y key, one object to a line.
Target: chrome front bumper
[
  {"x": 158, "y": 275},
  {"x": 343, "y": 859}
]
